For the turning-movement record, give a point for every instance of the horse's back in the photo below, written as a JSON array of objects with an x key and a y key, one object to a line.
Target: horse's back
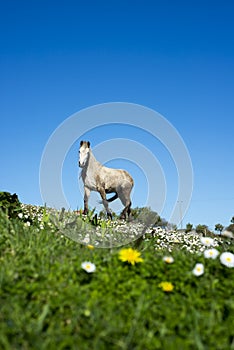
[{"x": 116, "y": 177}]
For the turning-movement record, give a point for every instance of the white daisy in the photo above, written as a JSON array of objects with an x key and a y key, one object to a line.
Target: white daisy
[
  {"x": 88, "y": 266},
  {"x": 227, "y": 259},
  {"x": 198, "y": 270},
  {"x": 207, "y": 241},
  {"x": 86, "y": 240},
  {"x": 168, "y": 259},
  {"x": 211, "y": 253}
]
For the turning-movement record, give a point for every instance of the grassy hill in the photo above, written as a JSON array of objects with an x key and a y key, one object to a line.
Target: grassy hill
[{"x": 148, "y": 297}]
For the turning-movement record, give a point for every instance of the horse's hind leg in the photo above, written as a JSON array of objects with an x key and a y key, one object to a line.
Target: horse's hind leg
[
  {"x": 124, "y": 195},
  {"x": 126, "y": 212}
]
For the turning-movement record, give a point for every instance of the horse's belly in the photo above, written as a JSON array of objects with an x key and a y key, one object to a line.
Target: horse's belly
[{"x": 110, "y": 190}]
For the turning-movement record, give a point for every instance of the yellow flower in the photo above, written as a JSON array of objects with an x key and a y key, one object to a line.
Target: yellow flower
[
  {"x": 90, "y": 246},
  {"x": 166, "y": 286},
  {"x": 130, "y": 255},
  {"x": 87, "y": 312}
]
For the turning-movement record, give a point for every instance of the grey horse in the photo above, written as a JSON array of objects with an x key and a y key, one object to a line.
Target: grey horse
[{"x": 99, "y": 178}]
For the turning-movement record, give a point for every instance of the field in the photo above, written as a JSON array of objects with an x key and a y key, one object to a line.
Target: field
[{"x": 57, "y": 293}]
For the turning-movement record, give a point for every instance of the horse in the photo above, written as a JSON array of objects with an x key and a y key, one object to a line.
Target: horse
[{"x": 99, "y": 178}]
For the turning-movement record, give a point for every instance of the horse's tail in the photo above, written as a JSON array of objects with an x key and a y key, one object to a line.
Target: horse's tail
[{"x": 113, "y": 198}]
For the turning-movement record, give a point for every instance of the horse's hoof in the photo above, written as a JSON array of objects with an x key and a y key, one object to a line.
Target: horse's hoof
[
  {"x": 130, "y": 218},
  {"x": 109, "y": 216}
]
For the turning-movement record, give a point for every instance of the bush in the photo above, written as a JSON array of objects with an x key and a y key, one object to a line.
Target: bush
[
  {"x": 10, "y": 204},
  {"x": 230, "y": 228}
]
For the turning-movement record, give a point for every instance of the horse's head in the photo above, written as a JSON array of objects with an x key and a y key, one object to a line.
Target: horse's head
[{"x": 84, "y": 153}]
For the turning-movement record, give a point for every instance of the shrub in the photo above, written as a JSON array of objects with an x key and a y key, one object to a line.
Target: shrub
[
  {"x": 189, "y": 228},
  {"x": 230, "y": 228},
  {"x": 10, "y": 204}
]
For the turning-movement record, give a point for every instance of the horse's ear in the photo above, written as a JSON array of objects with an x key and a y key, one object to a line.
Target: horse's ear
[
  {"x": 88, "y": 143},
  {"x": 81, "y": 143}
]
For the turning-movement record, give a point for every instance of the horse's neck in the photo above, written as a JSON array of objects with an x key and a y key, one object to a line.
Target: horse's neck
[{"x": 92, "y": 166}]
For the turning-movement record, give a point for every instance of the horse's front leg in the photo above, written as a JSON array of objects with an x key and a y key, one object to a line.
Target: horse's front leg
[
  {"x": 86, "y": 200},
  {"x": 104, "y": 201}
]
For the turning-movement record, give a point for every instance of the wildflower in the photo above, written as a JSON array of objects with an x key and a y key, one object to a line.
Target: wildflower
[
  {"x": 227, "y": 259},
  {"x": 166, "y": 286},
  {"x": 87, "y": 312},
  {"x": 207, "y": 241},
  {"x": 130, "y": 255},
  {"x": 88, "y": 266},
  {"x": 27, "y": 223},
  {"x": 198, "y": 270},
  {"x": 20, "y": 215},
  {"x": 168, "y": 259},
  {"x": 211, "y": 253},
  {"x": 90, "y": 246}
]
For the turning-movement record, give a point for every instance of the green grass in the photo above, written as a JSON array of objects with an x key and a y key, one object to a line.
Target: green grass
[{"x": 47, "y": 301}]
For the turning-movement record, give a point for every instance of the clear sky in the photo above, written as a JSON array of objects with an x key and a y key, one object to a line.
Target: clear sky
[{"x": 175, "y": 57}]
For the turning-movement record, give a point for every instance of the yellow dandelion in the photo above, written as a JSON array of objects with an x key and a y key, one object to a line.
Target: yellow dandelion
[
  {"x": 166, "y": 286},
  {"x": 130, "y": 255},
  {"x": 90, "y": 246}
]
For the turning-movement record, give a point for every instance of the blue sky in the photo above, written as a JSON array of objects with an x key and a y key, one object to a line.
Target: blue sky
[{"x": 175, "y": 57}]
